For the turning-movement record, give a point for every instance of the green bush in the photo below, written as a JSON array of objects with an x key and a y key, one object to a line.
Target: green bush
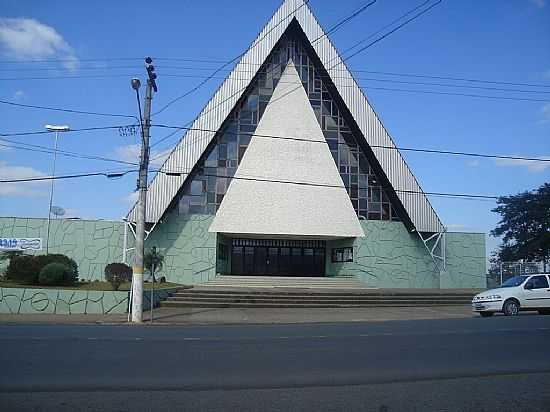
[
  {"x": 26, "y": 269},
  {"x": 117, "y": 273},
  {"x": 72, "y": 276},
  {"x": 54, "y": 274},
  {"x": 23, "y": 269}
]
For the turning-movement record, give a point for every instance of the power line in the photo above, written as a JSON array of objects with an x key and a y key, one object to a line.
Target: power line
[
  {"x": 83, "y": 129},
  {"x": 110, "y": 175},
  {"x": 196, "y": 76},
  {"x": 385, "y": 27},
  {"x": 298, "y": 183},
  {"x": 118, "y": 174},
  {"x": 372, "y": 43},
  {"x": 59, "y": 109},
  {"x": 336, "y": 27},
  {"x": 481, "y": 96},
  {"x": 345, "y": 20},
  {"x": 411, "y": 149},
  {"x": 45, "y": 149},
  {"x": 202, "y": 83}
]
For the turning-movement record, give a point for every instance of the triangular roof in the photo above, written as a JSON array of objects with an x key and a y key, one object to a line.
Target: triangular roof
[
  {"x": 320, "y": 209},
  {"x": 420, "y": 215}
]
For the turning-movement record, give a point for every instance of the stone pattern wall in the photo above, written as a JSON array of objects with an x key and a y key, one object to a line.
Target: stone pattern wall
[
  {"x": 67, "y": 302},
  {"x": 91, "y": 243},
  {"x": 59, "y": 301},
  {"x": 389, "y": 256},
  {"x": 466, "y": 261},
  {"x": 189, "y": 249}
]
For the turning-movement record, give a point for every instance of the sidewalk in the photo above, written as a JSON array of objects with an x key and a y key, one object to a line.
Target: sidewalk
[{"x": 193, "y": 316}]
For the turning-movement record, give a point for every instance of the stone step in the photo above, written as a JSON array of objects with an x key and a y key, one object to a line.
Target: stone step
[
  {"x": 221, "y": 296},
  {"x": 311, "y": 292},
  {"x": 193, "y": 304},
  {"x": 319, "y": 301}
]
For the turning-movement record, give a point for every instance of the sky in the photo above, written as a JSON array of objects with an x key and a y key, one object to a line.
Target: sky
[{"x": 97, "y": 47}]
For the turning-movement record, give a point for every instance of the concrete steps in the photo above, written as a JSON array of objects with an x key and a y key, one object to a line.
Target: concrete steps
[
  {"x": 285, "y": 282},
  {"x": 256, "y": 292}
]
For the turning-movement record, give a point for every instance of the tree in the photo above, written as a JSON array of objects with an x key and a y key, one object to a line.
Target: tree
[
  {"x": 153, "y": 257},
  {"x": 525, "y": 225}
]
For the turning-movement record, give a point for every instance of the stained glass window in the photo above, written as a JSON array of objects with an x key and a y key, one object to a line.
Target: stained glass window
[{"x": 204, "y": 190}]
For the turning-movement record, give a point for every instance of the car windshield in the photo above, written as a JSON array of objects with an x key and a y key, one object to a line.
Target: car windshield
[{"x": 515, "y": 281}]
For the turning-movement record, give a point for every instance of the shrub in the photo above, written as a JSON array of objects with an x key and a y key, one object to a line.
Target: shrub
[
  {"x": 54, "y": 274},
  {"x": 72, "y": 275},
  {"x": 23, "y": 269},
  {"x": 26, "y": 269},
  {"x": 117, "y": 273}
]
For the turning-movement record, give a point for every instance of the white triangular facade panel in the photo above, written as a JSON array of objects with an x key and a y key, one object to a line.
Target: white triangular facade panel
[
  {"x": 260, "y": 201},
  {"x": 190, "y": 148}
]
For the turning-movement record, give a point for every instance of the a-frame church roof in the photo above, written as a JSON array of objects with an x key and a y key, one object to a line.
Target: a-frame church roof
[{"x": 400, "y": 182}]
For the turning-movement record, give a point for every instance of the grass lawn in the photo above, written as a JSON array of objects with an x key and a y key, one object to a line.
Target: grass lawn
[{"x": 102, "y": 285}]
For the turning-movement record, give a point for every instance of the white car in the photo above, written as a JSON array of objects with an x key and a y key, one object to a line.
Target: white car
[{"x": 526, "y": 292}]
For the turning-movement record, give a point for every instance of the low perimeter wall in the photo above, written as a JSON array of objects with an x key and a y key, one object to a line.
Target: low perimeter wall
[{"x": 67, "y": 302}]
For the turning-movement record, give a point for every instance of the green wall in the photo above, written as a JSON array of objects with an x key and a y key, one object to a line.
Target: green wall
[
  {"x": 91, "y": 243},
  {"x": 389, "y": 256},
  {"x": 70, "y": 302},
  {"x": 189, "y": 249},
  {"x": 466, "y": 261}
]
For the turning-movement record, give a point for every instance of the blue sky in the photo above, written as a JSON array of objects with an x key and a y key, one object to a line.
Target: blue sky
[{"x": 495, "y": 40}]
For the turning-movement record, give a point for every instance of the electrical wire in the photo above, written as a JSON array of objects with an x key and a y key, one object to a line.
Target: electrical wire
[
  {"x": 299, "y": 183},
  {"x": 118, "y": 174},
  {"x": 59, "y": 109},
  {"x": 83, "y": 129},
  {"x": 372, "y": 43},
  {"x": 109, "y": 175},
  {"x": 411, "y": 149},
  {"x": 345, "y": 20},
  {"x": 65, "y": 153},
  {"x": 202, "y": 83}
]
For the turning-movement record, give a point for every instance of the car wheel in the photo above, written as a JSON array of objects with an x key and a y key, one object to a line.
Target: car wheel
[
  {"x": 511, "y": 307},
  {"x": 544, "y": 312},
  {"x": 486, "y": 314}
]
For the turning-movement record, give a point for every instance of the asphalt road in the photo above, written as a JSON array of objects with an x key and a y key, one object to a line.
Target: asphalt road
[{"x": 449, "y": 365}]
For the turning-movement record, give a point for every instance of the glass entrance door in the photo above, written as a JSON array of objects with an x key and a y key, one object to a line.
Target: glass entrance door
[{"x": 278, "y": 257}]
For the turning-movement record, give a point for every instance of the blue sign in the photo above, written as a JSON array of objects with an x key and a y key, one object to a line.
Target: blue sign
[{"x": 12, "y": 243}]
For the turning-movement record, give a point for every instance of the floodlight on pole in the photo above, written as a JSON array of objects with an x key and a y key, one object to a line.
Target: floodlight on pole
[{"x": 56, "y": 129}]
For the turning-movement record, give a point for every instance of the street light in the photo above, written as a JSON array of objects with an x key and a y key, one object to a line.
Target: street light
[{"x": 56, "y": 129}]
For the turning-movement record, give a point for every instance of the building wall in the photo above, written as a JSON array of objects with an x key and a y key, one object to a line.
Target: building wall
[
  {"x": 389, "y": 256},
  {"x": 189, "y": 249},
  {"x": 466, "y": 261},
  {"x": 91, "y": 243},
  {"x": 70, "y": 302}
]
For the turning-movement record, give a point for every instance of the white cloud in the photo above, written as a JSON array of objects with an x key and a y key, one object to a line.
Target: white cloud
[
  {"x": 19, "y": 95},
  {"x": 539, "y": 3},
  {"x": 21, "y": 189},
  {"x": 472, "y": 163},
  {"x": 22, "y": 38},
  {"x": 131, "y": 153},
  {"x": 532, "y": 166}
]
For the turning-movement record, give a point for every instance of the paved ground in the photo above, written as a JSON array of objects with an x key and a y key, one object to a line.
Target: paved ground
[
  {"x": 469, "y": 364},
  {"x": 256, "y": 315}
]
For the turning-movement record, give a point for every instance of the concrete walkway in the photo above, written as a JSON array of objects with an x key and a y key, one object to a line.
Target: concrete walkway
[{"x": 190, "y": 316}]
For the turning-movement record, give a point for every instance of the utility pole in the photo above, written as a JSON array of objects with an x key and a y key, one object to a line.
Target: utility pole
[{"x": 137, "y": 281}]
